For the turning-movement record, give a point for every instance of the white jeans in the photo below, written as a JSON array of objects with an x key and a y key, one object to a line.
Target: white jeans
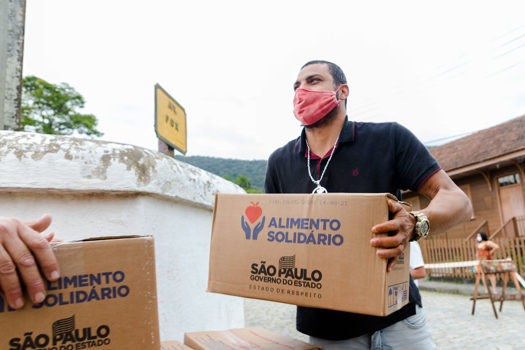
[{"x": 411, "y": 333}]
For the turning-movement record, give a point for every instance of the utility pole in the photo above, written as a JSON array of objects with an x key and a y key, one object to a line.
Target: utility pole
[{"x": 12, "y": 22}]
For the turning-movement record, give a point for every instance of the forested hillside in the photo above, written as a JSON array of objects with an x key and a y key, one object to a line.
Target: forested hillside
[{"x": 254, "y": 170}]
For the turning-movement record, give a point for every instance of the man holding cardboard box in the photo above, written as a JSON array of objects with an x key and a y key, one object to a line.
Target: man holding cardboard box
[
  {"x": 336, "y": 155},
  {"x": 21, "y": 247}
]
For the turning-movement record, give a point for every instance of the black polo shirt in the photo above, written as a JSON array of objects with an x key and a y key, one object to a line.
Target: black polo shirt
[{"x": 369, "y": 158}]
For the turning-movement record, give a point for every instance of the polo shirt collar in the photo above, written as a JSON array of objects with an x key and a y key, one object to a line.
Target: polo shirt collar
[{"x": 347, "y": 135}]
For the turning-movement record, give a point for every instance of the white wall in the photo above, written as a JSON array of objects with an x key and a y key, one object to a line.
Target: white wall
[{"x": 95, "y": 188}]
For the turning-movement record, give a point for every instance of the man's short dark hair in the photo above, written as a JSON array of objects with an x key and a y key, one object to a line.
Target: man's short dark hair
[{"x": 336, "y": 72}]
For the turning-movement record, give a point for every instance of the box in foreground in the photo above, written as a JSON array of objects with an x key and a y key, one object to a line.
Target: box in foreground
[
  {"x": 173, "y": 345},
  {"x": 305, "y": 249},
  {"x": 105, "y": 299},
  {"x": 244, "y": 338}
]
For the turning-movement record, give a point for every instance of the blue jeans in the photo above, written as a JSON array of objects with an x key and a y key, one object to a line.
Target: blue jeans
[{"x": 411, "y": 333}]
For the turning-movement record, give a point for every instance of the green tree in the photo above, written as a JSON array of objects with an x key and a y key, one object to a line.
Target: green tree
[
  {"x": 255, "y": 170},
  {"x": 53, "y": 109},
  {"x": 244, "y": 182}
]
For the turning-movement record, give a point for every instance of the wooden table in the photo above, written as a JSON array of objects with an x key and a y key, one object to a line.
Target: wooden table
[{"x": 507, "y": 268}]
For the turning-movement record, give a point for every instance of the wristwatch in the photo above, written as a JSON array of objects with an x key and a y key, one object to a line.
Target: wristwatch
[{"x": 422, "y": 226}]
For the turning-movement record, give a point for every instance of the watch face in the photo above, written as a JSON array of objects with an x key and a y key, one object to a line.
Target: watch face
[{"x": 424, "y": 227}]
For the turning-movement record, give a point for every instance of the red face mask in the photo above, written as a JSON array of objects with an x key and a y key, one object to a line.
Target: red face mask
[{"x": 310, "y": 106}]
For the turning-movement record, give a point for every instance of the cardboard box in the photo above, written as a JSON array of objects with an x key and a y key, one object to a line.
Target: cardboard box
[
  {"x": 173, "y": 345},
  {"x": 244, "y": 338},
  {"x": 105, "y": 299},
  {"x": 305, "y": 249}
]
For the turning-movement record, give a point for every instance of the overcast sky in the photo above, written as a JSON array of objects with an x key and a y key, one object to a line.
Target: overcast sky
[{"x": 440, "y": 68}]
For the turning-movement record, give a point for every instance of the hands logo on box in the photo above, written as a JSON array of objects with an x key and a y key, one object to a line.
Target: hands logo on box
[{"x": 253, "y": 213}]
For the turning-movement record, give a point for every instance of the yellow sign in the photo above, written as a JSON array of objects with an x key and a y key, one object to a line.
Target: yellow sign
[{"x": 170, "y": 120}]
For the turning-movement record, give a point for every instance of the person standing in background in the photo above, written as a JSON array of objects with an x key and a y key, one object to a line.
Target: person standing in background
[
  {"x": 417, "y": 264},
  {"x": 486, "y": 249}
]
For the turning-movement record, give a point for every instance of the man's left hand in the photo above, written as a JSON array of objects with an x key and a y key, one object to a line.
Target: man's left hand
[{"x": 401, "y": 228}]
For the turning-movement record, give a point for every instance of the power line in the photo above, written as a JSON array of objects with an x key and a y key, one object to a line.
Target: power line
[
  {"x": 500, "y": 43},
  {"x": 448, "y": 138},
  {"x": 508, "y": 32},
  {"x": 512, "y": 40}
]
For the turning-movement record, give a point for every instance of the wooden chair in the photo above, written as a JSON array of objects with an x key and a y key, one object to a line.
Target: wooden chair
[{"x": 496, "y": 267}]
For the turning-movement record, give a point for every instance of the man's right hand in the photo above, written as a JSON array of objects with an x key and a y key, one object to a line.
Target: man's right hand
[{"x": 20, "y": 244}]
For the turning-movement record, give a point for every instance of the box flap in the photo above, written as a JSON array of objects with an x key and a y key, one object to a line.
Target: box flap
[
  {"x": 100, "y": 238},
  {"x": 244, "y": 338},
  {"x": 173, "y": 345}
]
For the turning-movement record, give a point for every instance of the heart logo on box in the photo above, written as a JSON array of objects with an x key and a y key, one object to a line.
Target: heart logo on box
[{"x": 253, "y": 212}]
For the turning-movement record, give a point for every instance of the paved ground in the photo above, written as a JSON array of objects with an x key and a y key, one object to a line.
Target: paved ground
[{"x": 449, "y": 316}]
